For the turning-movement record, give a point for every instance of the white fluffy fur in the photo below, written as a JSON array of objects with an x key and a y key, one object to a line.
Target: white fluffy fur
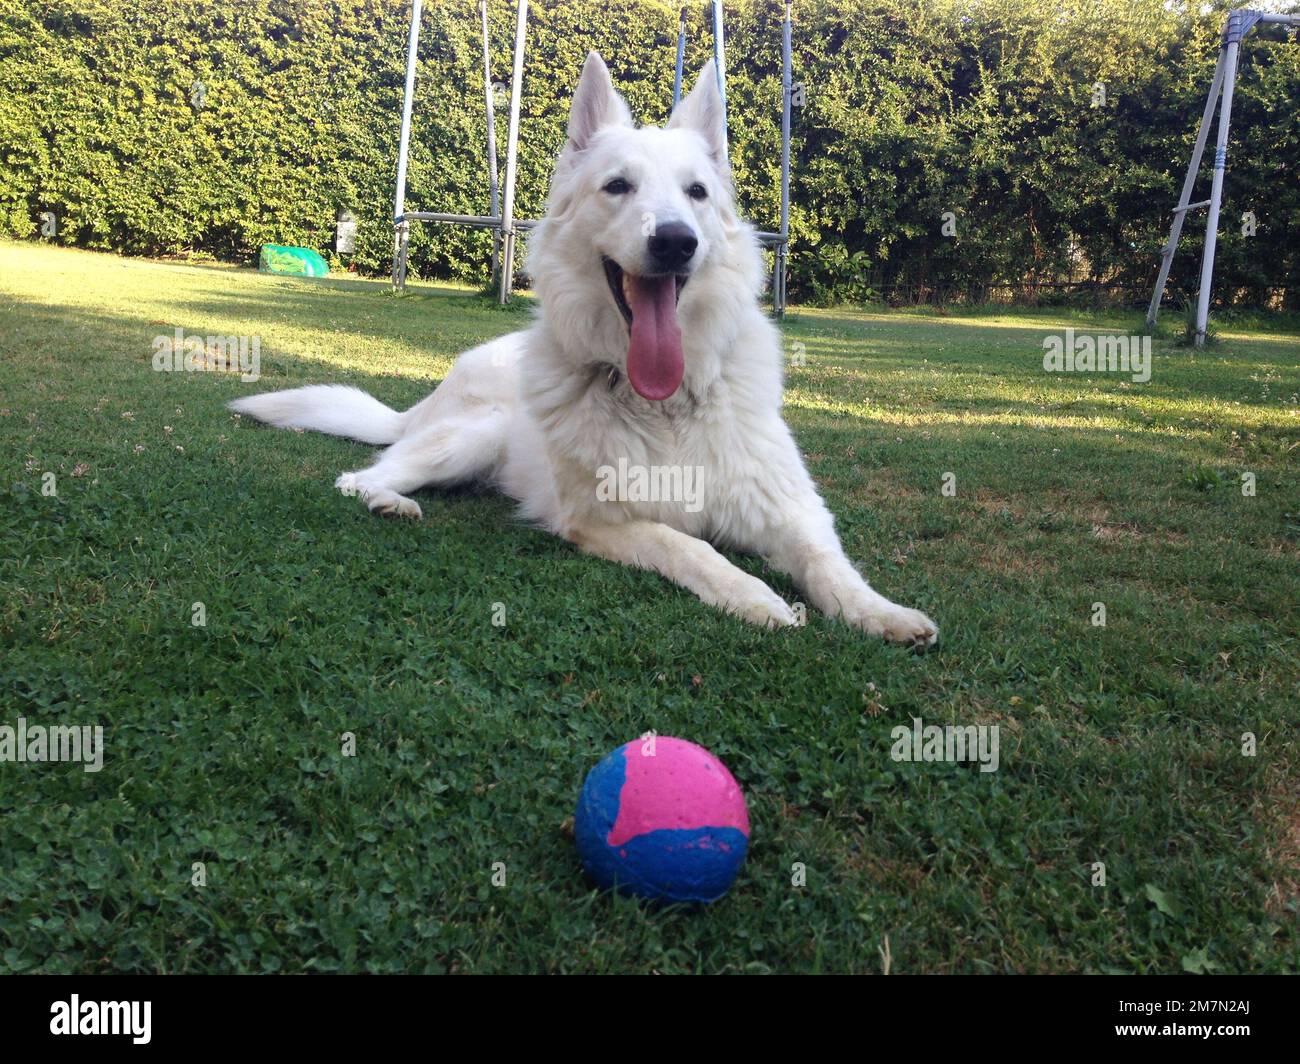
[{"x": 538, "y": 413}]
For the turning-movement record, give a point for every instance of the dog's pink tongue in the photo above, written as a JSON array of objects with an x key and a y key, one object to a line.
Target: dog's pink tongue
[{"x": 654, "y": 353}]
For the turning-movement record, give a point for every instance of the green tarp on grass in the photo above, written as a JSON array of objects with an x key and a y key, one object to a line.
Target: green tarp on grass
[{"x": 298, "y": 262}]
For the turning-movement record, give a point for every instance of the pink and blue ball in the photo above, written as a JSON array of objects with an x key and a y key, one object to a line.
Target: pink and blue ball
[{"x": 670, "y": 825}]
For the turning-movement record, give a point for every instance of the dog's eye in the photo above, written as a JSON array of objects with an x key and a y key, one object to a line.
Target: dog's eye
[
  {"x": 617, "y": 187},
  {"x": 697, "y": 191}
]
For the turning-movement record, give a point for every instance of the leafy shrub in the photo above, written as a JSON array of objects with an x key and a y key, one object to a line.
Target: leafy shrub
[{"x": 214, "y": 126}]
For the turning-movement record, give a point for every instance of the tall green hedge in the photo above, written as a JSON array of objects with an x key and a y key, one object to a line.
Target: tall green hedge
[{"x": 913, "y": 108}]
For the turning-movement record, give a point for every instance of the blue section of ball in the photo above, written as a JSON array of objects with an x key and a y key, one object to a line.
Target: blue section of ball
[
  {"x": 676, "y": 865},
  {"x": 597, "y": 811},
  {"x": 690, "y": 865}
]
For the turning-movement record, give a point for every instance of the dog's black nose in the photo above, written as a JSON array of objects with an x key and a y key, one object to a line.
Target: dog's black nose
[{"x": 672, "y": 246}]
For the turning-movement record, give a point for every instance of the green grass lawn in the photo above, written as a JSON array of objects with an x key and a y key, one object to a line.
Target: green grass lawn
[{"x": 1120, "y": 744}]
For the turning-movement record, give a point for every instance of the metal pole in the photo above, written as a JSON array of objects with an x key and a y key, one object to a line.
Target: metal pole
[
  {"x": 1216, "y": 191},
  {"x": 787, "y": 89},
  {"x": 402, "y": 229},
  {"x": 1239, "y": 24},
  {"x": 720, "y": 61},
  {"x": 681, "y": 57},
  {"x": 512, "y": 145},
  {"x": 1184, "y": 200},
  {"x": 493, "y": 190}
]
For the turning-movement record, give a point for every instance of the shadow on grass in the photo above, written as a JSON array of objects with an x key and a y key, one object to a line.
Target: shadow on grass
[
  {"x": 1081, "y": 319},
  {"x": 972, "y": 421}
]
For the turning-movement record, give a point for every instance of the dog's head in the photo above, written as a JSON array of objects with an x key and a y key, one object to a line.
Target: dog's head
[{"x": 640, "y": 227}]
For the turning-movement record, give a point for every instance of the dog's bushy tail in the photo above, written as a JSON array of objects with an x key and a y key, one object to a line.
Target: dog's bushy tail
[{"x": 336, "y": 409}]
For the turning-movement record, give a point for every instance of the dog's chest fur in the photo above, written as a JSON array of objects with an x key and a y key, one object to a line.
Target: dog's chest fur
[{"x": 688, "y": 461}]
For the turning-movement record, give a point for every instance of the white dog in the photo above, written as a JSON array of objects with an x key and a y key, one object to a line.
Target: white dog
[{"x": 640, "y": 416}]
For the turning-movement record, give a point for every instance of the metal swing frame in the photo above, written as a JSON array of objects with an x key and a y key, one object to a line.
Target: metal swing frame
[
  {"x": 1238, "y": 25},
  {"x": 505, "y": 227}
]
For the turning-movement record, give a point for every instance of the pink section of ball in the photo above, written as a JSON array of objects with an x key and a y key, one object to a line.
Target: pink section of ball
[{"x": 681, "y": 786}]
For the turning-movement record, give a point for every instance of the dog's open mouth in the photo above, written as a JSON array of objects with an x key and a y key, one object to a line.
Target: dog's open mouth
[{"x": 649, "y": 306}]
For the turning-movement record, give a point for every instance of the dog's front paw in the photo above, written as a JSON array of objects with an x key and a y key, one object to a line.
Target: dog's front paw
[
  {"x": 898, "y": 624},
  {"x": 389, "y": 504},
  {"x": 755, "y": 602}
]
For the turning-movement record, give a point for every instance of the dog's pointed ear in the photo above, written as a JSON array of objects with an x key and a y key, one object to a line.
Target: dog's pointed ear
[
  {"x": 703, "y": 112},
  {"x": 595, "y": 104}
]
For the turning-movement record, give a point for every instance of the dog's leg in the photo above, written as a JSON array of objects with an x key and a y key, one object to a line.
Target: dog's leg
[
  {"x": 687, "y": 561},
  {"x": 809, "y": 550},
  {"x": 449, "y": 452}
]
